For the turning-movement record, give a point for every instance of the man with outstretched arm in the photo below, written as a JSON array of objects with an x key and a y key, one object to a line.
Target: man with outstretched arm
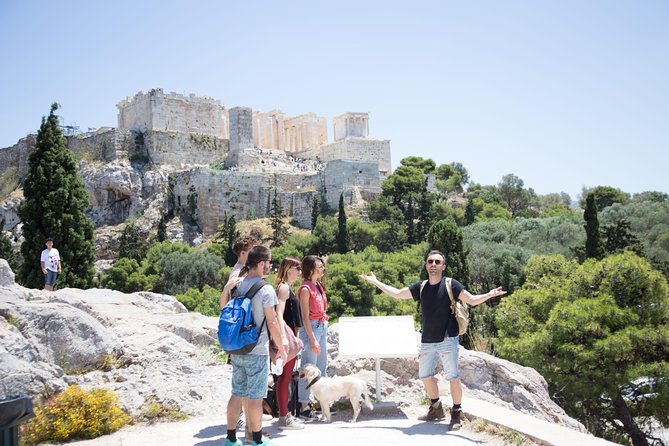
[{"x": 439, "y": 340}]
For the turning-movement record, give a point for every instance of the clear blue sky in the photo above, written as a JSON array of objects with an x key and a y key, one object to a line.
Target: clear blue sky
[{"x": 561, "y": 93}]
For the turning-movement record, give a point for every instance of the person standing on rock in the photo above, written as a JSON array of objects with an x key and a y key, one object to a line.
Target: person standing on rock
[
  {"x": 50, "y": 264},
  {"x": 288, "y": 311},
  {"x": 439, "y": 339},
  {"x": 250, "y": 371}
]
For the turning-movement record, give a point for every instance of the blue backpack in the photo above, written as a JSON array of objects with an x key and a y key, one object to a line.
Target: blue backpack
[{"x": 237, "y": 332}]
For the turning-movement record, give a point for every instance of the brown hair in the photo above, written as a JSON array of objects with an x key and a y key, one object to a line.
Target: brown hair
[
  {"x": 243, "y": 244},
  {"x": 309, "y": 265},
  {"x": 286, "y": 264},
  {"x": 256, "y": 255}
]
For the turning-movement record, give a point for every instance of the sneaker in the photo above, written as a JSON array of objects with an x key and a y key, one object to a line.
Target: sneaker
[
  {"x": 456, "y": 421},
  {"x": 236, "y": 443},
  {"x": 265, "y": 442},
  {"x": 318, "y": 411},
  {"x": 267, "y": 417},
  {"x": 240, "y": 421},
  {"x": 308, "y": 415},
  {"x": 290, "y": 423},
  {"x": 435, "y": 412}
]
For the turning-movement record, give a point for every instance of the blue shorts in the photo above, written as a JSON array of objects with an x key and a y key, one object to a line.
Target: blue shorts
[
  {"x": 445, "y": 351},
  {"x": 249, "y": 376},
  {"x": 50, "y": 277}
]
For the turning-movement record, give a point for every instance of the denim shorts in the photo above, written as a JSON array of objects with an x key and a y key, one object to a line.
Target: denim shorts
[
  {"x": 249, "y": 376},
  {"x": 445, "y": 351},
  {"x": 50, "y": 277}
]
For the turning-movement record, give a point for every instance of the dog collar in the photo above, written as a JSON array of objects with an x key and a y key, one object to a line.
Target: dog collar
[{"x": 314, "y": 381}]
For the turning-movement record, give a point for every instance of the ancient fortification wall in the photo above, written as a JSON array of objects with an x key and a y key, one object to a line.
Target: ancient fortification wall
[
  {"x": 173, "y": 112},
  {"x": 184, "y": 149},
  {"x": 105, "y": 144},
  {"x": 248, "y": 195}
]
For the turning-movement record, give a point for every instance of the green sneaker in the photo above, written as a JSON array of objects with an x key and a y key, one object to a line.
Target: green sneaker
[
  {"x": 265, "y": 442},
  {"x": 236, "y": 443}
]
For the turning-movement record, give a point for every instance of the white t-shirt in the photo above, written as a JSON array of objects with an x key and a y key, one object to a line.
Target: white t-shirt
[{"x": 51, "y": 258}]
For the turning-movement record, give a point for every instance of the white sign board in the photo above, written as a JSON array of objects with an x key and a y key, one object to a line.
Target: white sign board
[{"x": 377, "y": 337}]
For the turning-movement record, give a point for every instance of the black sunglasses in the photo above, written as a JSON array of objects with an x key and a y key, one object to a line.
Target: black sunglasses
[{"x": 435, "y": 261}]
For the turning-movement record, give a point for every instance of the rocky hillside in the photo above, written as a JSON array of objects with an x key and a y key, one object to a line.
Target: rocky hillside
[{"x": 147, "y": 347}]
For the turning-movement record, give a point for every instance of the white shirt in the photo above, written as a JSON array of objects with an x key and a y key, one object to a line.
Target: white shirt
[{"x": 50, "y": 258}]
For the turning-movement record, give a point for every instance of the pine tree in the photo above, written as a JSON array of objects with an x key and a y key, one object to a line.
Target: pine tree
[
  {"x": 162, "y": 230},
  {"x": 55, "y": 200},
  {"x": 594, "y": 248},
  {"x": 342, "y": 233},
  {"x": 6, "y": 251},
  {"x": 276, "y": 216}
]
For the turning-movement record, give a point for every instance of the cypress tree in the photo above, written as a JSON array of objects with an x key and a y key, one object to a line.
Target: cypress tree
[
  {"x": 315, "y": 211},
  {"x": 446, "y": 236},
  {"x": 594, "y": 248},
  {"x": 424, "y": 217},
  {"x": 280, "y": 233},
  {"x": 55, "y": 200},
  {"x": 162, "y": 229},
  {"x": 342, "y": 233},
  {"x": 231, "y": 234}
]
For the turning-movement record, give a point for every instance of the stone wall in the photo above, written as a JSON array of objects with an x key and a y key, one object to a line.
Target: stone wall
[
  {"x": 182, "y": 149},
  {"x": 173, "y": 112},
  {"x": 355, "y": 149},
  {"x": 247, "y": 195},
  {"x": 105, "y": 144},
  {"x": 17, "y": 156},
  {"x": 241, "y": 128}
]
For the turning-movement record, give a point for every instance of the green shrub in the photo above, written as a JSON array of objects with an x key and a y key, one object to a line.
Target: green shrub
[
  {"x": 155, "y": 410},
  {"x": 205, "y": 302},
  {"x": 75, "y": 414}
]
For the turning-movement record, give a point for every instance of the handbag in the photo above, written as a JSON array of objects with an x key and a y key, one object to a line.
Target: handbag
[{"x": 295, "y": 344}]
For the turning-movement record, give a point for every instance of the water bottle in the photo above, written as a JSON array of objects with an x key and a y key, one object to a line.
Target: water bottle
[{"x": 278, "y": 369}]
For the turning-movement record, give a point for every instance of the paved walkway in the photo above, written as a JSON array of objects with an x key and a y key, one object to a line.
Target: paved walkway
[{"x": 372, "y": 428}]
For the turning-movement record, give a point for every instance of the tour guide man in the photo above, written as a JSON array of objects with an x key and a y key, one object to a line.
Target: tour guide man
[{"x": 439, "y": 340}]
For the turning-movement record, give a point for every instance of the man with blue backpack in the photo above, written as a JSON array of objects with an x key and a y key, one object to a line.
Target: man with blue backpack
[{"x": 250, "y": 362}]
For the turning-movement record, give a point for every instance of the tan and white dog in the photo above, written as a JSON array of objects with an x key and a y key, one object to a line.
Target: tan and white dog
[{"x": 326, "y": 390}]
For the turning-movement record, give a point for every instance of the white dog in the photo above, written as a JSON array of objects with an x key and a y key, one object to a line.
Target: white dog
[{"x": 326, "y": 390}]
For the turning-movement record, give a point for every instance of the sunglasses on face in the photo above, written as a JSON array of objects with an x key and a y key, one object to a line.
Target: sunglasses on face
[
  {"x": 299, "y": 268},
  {"x": 435, "y": 261}
]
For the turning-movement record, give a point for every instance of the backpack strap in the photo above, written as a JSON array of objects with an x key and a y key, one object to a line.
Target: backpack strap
[
  {"x": 252, "y": 291},
  {"x": 450, "y": 293},
  {"x": 250, "y": 294}
]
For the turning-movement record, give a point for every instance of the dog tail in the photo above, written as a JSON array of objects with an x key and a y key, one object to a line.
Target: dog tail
[{"x": 368, "y": 403}]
